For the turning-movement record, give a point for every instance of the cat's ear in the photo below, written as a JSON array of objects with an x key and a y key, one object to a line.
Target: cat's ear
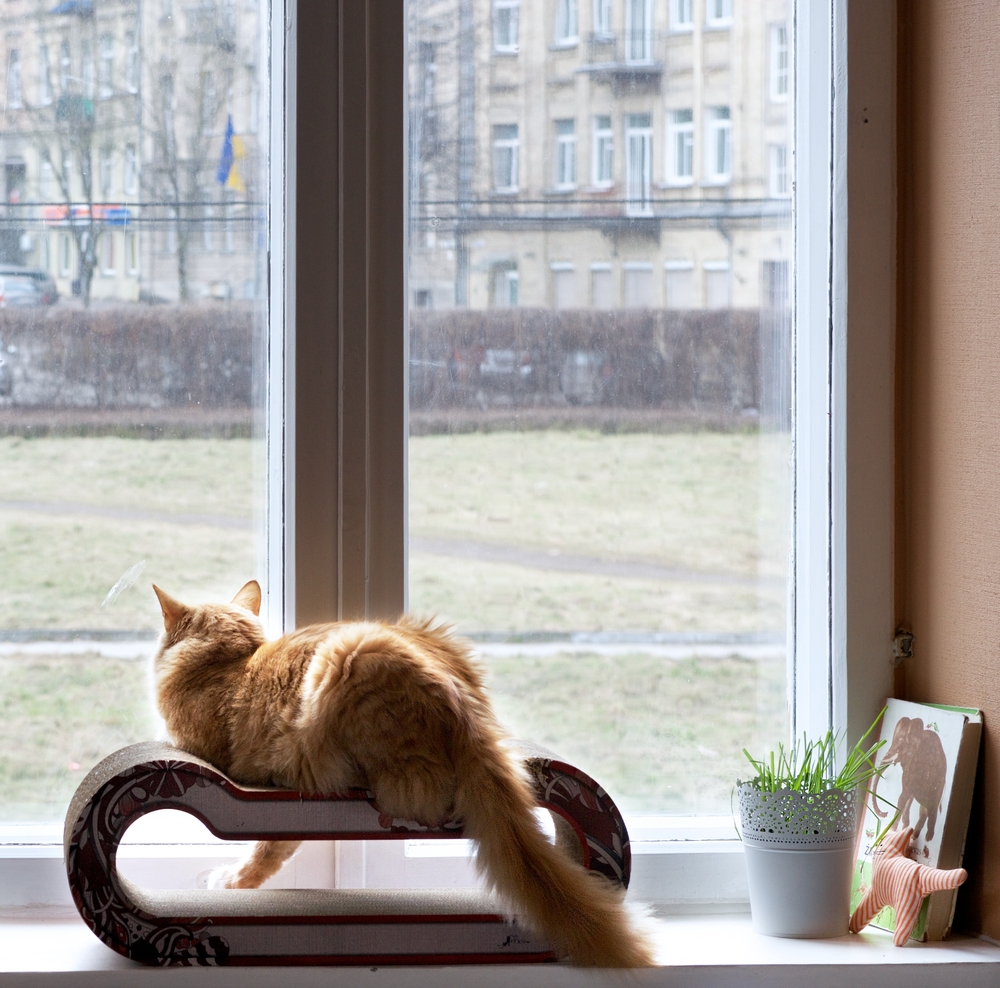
[
  {"x": 249, "y": 597},
  {"x": 173, "y": 610}
]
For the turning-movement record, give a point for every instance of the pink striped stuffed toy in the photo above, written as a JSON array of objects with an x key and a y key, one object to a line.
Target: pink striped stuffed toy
[{"x": 902, "y": 883}]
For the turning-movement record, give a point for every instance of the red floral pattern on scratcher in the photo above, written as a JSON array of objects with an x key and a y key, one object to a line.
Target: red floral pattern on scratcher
[{"x": 900, "y": 882}]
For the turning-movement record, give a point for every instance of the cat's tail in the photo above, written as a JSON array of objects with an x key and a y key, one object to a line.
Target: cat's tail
[{"x": 580, "y": 912}]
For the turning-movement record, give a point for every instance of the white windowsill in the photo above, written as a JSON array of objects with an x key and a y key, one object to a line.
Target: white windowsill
[{"x": 714, "y": 951}]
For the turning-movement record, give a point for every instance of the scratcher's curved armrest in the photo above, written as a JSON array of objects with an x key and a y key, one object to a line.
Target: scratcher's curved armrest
[{"x": 325, "y": 926}]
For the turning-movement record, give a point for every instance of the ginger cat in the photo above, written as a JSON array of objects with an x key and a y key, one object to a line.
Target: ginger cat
[{"x": 397, "y": 709}]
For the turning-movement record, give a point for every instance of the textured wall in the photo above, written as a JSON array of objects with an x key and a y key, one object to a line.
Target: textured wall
[{"x": 949, "y": 425}]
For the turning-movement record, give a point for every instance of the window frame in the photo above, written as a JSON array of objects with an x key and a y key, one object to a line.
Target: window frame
[
  {"x": 513, "y": 7},
  {"x": 675, "y": 131},
  {"x": 640, "y": 204},
  {"x": 776, "y": 72},
  {"x": 718, "y": 128},
  {"x": 566, "y": 24},
  {"x": 602, "y": 145},
  {"x": 338, "y": 526},
  {"x": 565, "y": 156},
  {"x": 511, "y": 146},
  {"x": 679, "y": 25}
]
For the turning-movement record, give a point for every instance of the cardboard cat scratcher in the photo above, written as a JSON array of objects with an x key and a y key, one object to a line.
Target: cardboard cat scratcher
[{"x": 314, "y": 926}]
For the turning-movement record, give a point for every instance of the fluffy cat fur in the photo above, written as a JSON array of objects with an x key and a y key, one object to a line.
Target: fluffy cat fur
[{"x": 397, "y": 709}]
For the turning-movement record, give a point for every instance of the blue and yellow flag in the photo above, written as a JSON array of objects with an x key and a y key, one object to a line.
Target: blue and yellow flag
[{"x": 233, "y": 151}]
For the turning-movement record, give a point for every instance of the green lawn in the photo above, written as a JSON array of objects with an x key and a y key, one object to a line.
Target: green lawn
[{"x": 710, "y": 503}]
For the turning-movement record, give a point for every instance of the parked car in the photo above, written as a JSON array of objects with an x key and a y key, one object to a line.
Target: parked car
[
  {"x": 19, "y": 290},
  {"x": 46, "y": 286}
]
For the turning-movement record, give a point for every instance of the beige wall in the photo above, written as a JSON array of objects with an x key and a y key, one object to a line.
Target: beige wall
[{"x": 949, "y": 383}]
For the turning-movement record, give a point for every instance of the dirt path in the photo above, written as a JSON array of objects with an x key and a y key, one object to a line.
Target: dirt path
[{"x": 485, "y": 552}]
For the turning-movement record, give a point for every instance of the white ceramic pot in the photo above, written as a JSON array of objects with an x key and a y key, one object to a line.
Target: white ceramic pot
[{"x": 800, "y": 854}]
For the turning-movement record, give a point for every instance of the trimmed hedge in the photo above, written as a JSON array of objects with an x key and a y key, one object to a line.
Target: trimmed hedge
[{"x": 711, "y": 363}]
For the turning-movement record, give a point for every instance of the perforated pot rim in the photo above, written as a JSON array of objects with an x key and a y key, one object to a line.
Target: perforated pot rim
[{"x": 794, "y": 820}]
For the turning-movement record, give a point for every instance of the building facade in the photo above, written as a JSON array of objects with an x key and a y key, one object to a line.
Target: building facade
[
  {"x": 115, "y": 121},
  {"x": 601, "y": 153}
]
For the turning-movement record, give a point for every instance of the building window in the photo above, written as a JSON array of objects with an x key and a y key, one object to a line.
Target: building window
[
  {"x": 565, "y": 154},
  {"x": 44, "y": 77},
  {"x": 132, "y": 253},
  {"x": 681, "y": 15},
  {"x": 717, "y": 284},
  {"x": 131, "y": 171},
  {"x": 108, "y": 254},
  {"x": 604, "y": 146},
  {"x": 779, "y": 63},
  {"x": 65, "y": 255},
  {"x": 719, "y": 13},
  {"x": 504, "y": 285},
  {"x": 638, "y": 164},
  {"x": 64, "y": 68},
  {"x": 567, "y": 32},
  {"x": 131, "y": 63},
  {"x": 718, "y": 145},
  {"x": 638, "y": 31},
  {"x": 602, "y": 289},
  {"x": 564, "y": 285},
  {"x": 602, "y": 19},
  {"x": 423, "y": 299},
  {"x": 107, "y": 168},
  {"x": 780, "y": 181},
  {"x": 505, "y": 18},
  {"x": 775, "y": 288},
  {"x": 14, "y": 96},
  {"x": 638, "y": 284},
  {"x": 679, "y": 284},
  {"x": 505, "y": 154},
  {"x": 106, "y": 69},
  {"x": 680, "y": 147}
]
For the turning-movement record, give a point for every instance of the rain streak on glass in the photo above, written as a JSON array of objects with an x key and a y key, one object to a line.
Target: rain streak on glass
[
  {"x": 132, "y": 306},
  {"x": 600, "y": 285}
]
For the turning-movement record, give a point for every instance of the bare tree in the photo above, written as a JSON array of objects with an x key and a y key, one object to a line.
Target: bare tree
[
  {"x": 186, "y": 121},
  {"x": 69, "y": 118}
]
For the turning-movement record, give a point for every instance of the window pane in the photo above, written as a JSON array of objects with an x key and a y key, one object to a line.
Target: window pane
[
  {"x": 600, "y": 454},
  {"x": 132, "y": 270}
]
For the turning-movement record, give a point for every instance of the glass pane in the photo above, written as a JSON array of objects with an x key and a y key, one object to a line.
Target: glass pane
[
  {"x": 132, "y": 317},
  {"x": 600, "y": 455}
]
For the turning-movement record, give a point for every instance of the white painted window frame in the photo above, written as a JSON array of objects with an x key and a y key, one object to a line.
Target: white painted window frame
[
  {"x": 565, "y": 158},
  {"x": 841, "y": 611},
  {"x": 779, "y": 174},
  {"x": 639, "y": 36},
  {"x": 566, "y": 31},
  {"x": 508, "y": 46},
  {"x": 603, "y": 151},
  {"x": 602, "y": 19},
  {"x": 718, "y": 128},
  {"x": 638, "y": 192},
  {"x": 681, "y": 16},
  {"x": 507, "y": 146},
  {"x": 675, "y": 132},
  {"x": 718, "y": 14},
  {"x": 780, "y": 69}
]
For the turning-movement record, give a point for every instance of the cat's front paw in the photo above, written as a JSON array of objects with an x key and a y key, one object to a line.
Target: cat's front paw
[{"x": 230, "y": 877}]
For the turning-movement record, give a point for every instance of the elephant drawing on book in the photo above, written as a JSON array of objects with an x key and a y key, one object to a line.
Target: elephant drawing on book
[{"x": 919, "y": 753}]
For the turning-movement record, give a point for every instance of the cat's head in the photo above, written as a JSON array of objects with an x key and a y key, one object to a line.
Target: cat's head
[{"x": 228, "y": 630}]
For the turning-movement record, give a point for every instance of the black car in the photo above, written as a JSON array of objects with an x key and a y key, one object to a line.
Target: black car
[{"x": 48, "y": 292}]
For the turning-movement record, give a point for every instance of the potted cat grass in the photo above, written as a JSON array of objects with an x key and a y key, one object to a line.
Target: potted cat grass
[{"x": 799, "y": 820}]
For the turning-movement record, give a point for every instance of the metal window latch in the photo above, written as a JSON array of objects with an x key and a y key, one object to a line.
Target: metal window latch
[{"x": 902, "y": 647}]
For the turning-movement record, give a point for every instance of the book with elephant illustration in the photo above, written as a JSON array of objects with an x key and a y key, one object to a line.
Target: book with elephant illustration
[{"x": 930, "y": 758}]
